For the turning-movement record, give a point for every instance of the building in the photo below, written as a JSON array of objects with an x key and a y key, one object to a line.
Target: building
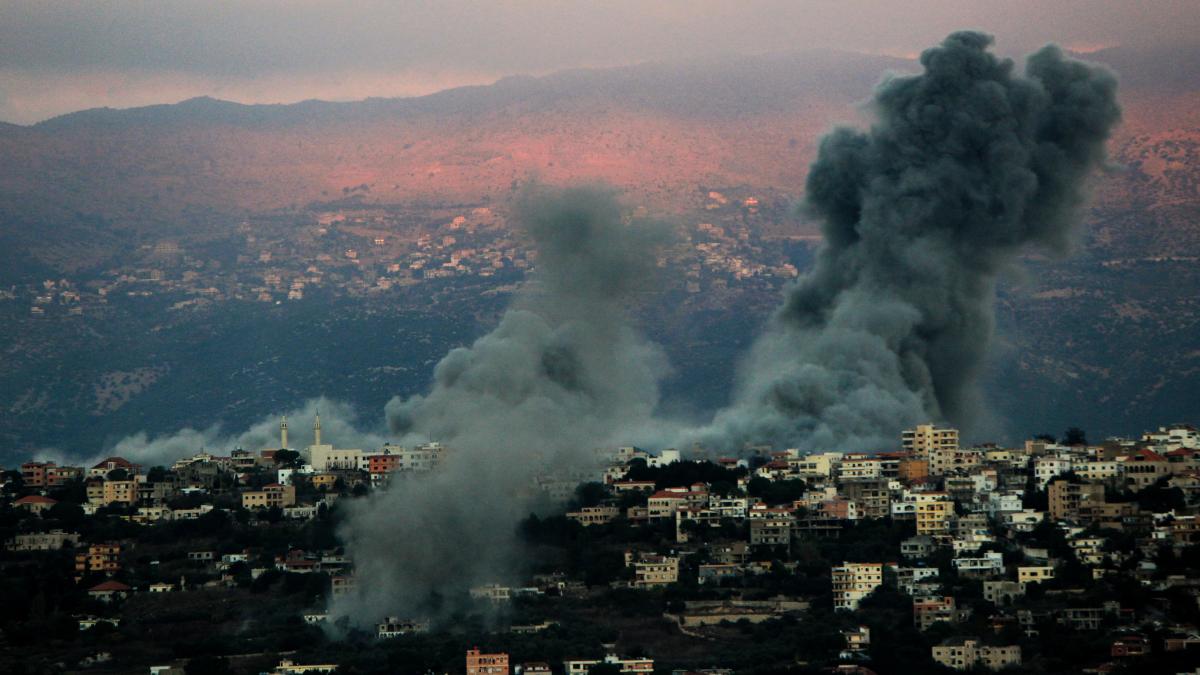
[
  {"x": 328, "y": 458},
  {"x": 854, "y": 581},
  {"x": 626, "y": 665},
  {"x": 119, "y": 492},
  {"x": 1066, "y": 498},
  {"x": 1046, "y": 469},
  {"x": 773, "y": 530},
  {"x": 858, "y": 642},
  {"x": 928, "y": 438},
  {"x": 934, "y": 517},
  {"x": 966, "y": 654},
  {"x": 33, "y": 474},
  {"x": 1002, "y": 593},
  {"x": 988, "y": 564},
  {"x": 324, "y": 457},
  {"x": 486, "y": 664},
  {"x": 595, "y": 515},
  {"x": 273, "y": 495},
  {"x": 99, "y": 558},
  {"x": 103, "y": 468},
  {"x": 928, "y": 611},
  {"x": 394, "y": 626},
  {"x": 35, "y": 503},
  {"x": 663, "y": 504},
  {"x": 109, "y": 591},
  {"x": 919, "y": 546},
  {"x": 872, "y": 496},
  {"x": 1031, "y": 573},
  {"x": 48, "y": 474},
  {"x": 43, "y": 541},
  {"x": 290, "y": 667},
  {"x": 342, "y": 585},
  {"x": 1174, "y": 437},
  {"x": 492, "y": 592},
  {"x": 651, "y": 571},
  {"x": 1142, "y": 468},
  {"x": 394, "y": 458},
  {"x": 913, "y": 470}
]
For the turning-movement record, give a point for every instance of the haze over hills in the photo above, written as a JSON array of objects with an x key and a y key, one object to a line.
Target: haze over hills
[{"x": 1109, "y": 339}]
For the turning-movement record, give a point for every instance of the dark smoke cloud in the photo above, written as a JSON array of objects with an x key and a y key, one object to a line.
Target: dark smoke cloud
[
  {"x": 560, "y": 376},
  {"x": 966, "y": 166}
]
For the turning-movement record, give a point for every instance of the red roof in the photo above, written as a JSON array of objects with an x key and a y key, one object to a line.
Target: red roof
[
  {"x": 109, "y": 586},
  {"x": 34, "y": 499},
  {"x": 668, "y": 494},
  {"x": 115, "y": 461},
  {"x": 1146, "y": 455}
]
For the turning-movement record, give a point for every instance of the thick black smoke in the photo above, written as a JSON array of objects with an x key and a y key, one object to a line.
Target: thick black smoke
[
  {"x": 561, "y": 375},
  {"x": 966, "y": 166}
]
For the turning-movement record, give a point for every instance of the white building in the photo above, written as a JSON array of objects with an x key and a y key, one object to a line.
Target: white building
[
  {"x": 1174, "y": 437},
  {"x": 1046, "y": 468},
  {"x": 854, "y": 581},
  {"x": 627, "y": 665},
  {"x": 989, "y": 563}
]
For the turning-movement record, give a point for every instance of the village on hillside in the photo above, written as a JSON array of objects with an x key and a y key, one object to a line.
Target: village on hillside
[{"x": 1059, "y": 554}]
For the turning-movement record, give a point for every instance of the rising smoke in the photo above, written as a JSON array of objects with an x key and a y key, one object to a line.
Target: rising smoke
[
  {"x": 563, "y": 373},
  {"x": 338, "y": 420},
  {"x": 966, "y": 166}
]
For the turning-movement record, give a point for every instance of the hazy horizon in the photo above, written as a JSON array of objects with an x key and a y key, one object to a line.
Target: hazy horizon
[{"x": 127, "y": 55}]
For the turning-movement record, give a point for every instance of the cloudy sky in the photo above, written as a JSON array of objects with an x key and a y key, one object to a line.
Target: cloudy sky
[{"x": 56, "y": 57}]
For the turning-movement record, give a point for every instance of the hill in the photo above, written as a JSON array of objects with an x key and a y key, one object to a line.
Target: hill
[{"x": 1109, "y": 338}]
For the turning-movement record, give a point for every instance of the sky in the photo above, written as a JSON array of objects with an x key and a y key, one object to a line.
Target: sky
[{"x": 58, "y": 57}]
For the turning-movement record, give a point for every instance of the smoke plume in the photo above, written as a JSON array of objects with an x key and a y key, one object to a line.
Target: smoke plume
[
  {"x": 339, "y": 421},
  {"x": 966, "y": 166},
  {"x": 560, "y": 375}
]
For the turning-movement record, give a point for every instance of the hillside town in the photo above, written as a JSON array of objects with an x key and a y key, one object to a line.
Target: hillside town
[
  {"x": 1061, "y": 554},
  {"x": 360, "y": 251}
]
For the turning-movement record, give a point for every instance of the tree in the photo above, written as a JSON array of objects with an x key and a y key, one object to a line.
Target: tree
[
  {"x": 70, "y": 515},
  {"x": 589, "y": 494},
  {"x": 776, "y": 492},
  {"x": 286, "y": 457}
]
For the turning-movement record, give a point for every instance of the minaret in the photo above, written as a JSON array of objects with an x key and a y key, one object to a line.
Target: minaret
[
  {"x": 283, "y": 433},
  {"x": 317, "y": 429}
]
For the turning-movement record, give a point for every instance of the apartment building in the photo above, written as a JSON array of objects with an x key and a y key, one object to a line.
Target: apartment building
[
  {"x": 277, "y": 495},
  {"x": 105, "y": 558},
  {"x": 854, "y": 581},
  {"x": 927, "y": 438},
  {"x": 966, "y": 654},
  {"x": 1038, "y": 573},
  {"x": 934, "y": 517},
  {"x": 479, "y": 663},
  {"x": 1066, "y": 497},
  {"x": 651, "y": 571}
]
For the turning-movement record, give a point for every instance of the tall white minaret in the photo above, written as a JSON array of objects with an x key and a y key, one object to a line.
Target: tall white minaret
[
  {"x": 283, "y": 433},
  {"x": 317, "y": 429}
]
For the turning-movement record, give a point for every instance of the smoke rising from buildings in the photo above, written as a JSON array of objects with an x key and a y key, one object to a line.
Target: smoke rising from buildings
[
  {"x": 338, "y": 420},
  {"x": 966, "y": 166},
  {"x": 560, "y": 375}
]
